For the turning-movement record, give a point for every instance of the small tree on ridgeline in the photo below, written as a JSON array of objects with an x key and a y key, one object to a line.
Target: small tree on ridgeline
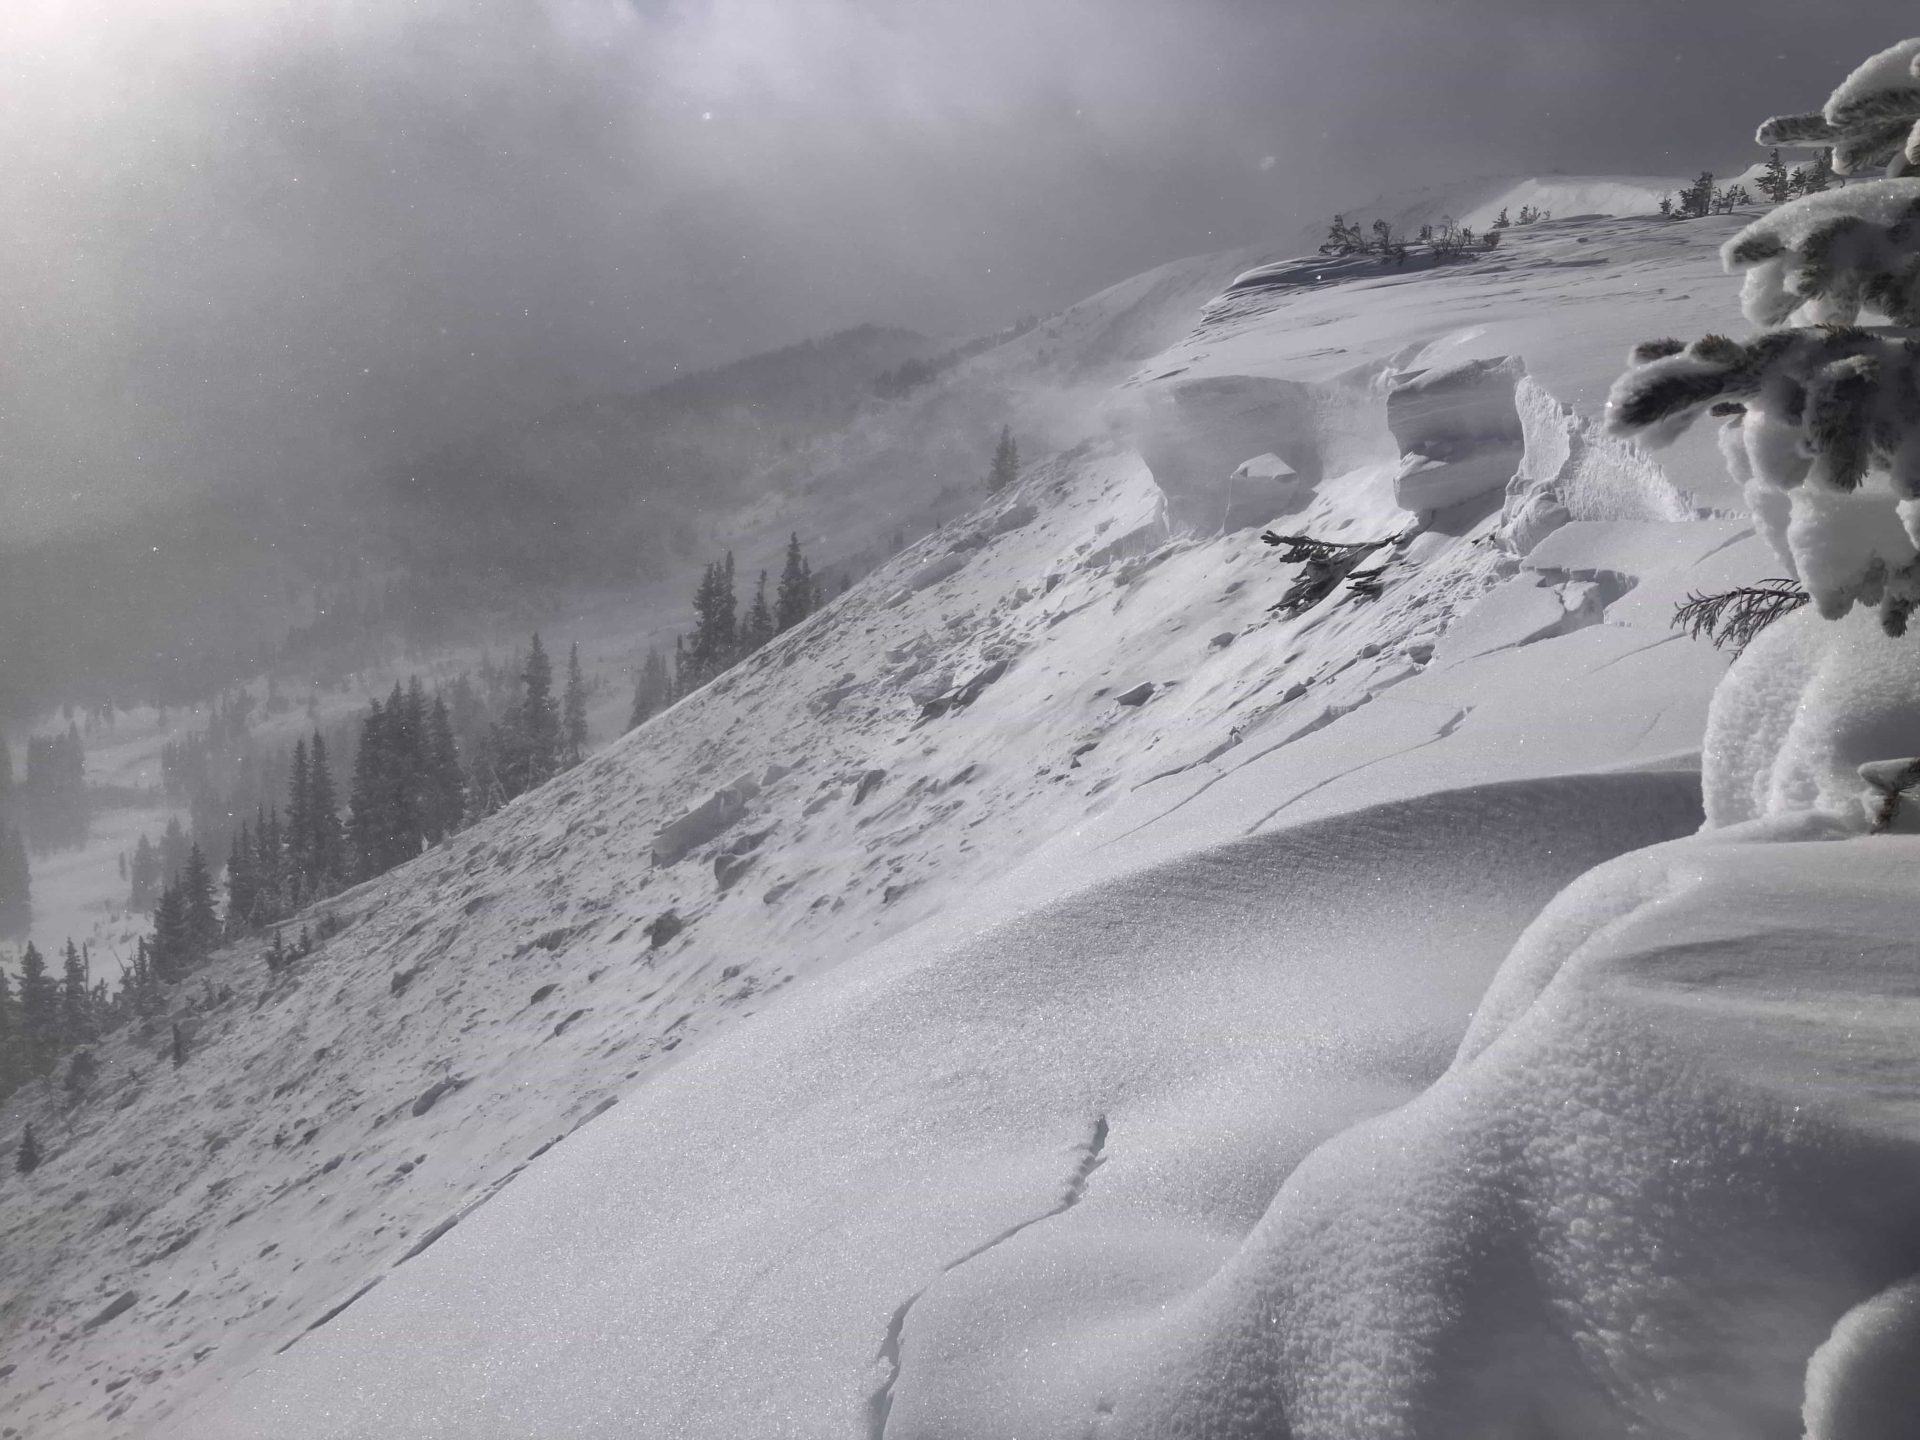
[{"x": 1775, "y": 183}]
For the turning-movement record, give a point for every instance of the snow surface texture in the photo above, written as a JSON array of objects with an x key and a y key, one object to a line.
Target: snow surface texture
[
  {"x": 1638, "y": 1202},
  {"x": 985, "y": 1034},
  {"x": 1807, "y": 704}
]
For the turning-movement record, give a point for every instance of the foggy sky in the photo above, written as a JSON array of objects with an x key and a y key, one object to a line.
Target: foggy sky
[{"x": 270, "y": 242}]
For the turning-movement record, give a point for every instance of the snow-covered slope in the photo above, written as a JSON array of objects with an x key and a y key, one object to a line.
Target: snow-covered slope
[{"x": 977, "y": 966}]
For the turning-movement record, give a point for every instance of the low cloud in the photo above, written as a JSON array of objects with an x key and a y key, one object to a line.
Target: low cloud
[{"x": 259, "y": 242}]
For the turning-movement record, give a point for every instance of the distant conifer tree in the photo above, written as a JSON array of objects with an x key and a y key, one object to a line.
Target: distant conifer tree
[
  {"x": 200, "y": 914},
  {"x": 793, "y": 602},
  {"x": 16, "y": 883},
  {"x": 652, "y": 690},
  {"x": 446, "y": 781},
  {"x": 39, "y": 1013},
  {"x": 242, "y": 882},
  {"x": 367, "y": 796},
  {"x": 76, "y": 999},
  {"x": 539, "y": 717},
  {"x": 1775, "y": 183},
  {"x": 1006, "y": 462},
  {"x": 326, "y": 844},
  {"x": 143, "y": 876},
  {"x": 299, "y": 824},
  {"x": 13, "y": 1068},
  {"x": 573, "y": 711},
  {"x": 759, "y": 626},
  {"x": 173, "y": 851}
]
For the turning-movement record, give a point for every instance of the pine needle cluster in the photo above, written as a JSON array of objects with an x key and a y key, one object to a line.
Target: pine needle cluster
[{"x": 1732, "y": 618}]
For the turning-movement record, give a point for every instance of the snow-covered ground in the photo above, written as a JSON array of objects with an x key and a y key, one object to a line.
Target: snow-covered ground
[{"x": 1051, "y": 994}]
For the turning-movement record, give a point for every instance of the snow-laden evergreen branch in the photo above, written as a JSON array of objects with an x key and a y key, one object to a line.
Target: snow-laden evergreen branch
[
  {"x": 1731, "y": 618},
  {"x": 1871, "y": 119},
  {"x": 1820, "y": 423}
]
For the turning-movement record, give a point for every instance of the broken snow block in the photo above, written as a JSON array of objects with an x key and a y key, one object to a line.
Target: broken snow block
[
  {"x": 1459, "y": 432},
  {"x": 1138, "y": 695},
  {"x": 728, "y": 868},
  {"x": 704, "y": 822},
  {"x": 1014, "y": 518},
  {"x": 934, "y": 571},
  {"x": 970, "y": 692},
  {"x": 119, "y": 1306},
  {"x": 435, "y": 1093}
]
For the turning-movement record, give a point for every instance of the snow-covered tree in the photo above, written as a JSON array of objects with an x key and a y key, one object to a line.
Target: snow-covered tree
[
  {"x": 1872, "y": 120},
  {"x": 1821, "y": 419},
  {"x": 1775, "y": 183}
]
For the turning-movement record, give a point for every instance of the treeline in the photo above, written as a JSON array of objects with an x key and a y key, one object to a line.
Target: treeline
[
  {"x": 46, "y": 1016},
  {"x": 1443, "y": 241},
  {"x": 416, "y": 766},
  {"x": 1777, "y": 186},
  {"x": 409, "y": 789},
  {"x": 722, "y": 636}
]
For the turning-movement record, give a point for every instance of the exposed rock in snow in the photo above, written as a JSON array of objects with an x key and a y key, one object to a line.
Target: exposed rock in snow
[{"x": 1138, "y": 695}]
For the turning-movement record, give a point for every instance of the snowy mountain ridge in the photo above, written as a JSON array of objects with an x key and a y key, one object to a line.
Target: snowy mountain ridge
[{"x": 926, "y": 979}]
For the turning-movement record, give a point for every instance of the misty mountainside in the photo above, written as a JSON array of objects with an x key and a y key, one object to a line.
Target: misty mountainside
[
  {"x": 1095, "y": 976},
  {"x": 613, "y": 489},
  {"x": 859, "y": 440}
]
